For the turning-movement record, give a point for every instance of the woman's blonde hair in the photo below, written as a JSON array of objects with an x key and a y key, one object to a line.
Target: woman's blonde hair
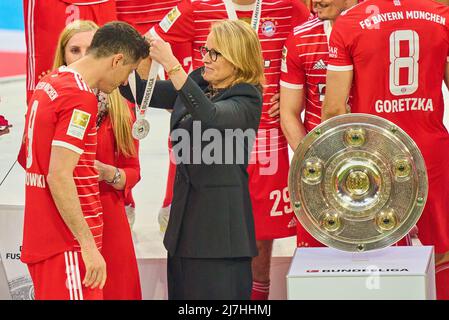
[
  {"x": 118, "y": 109},
  {"x": 238, "y": 43}
]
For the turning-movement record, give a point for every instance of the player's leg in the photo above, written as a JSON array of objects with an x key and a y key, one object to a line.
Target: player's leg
[
  {"x": 261, "y": 270},
  {"x": 442, "y": 280},
  {"x": 164, "y": 211},
  {"x": 60, "y": 278},
  {"x": 273, "y": 216}
]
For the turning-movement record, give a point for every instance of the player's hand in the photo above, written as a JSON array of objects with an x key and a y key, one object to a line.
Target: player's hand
[
  {"x": 274, "y": 109},
  {"x": 4, "y": 131},
  {"x": 95, "y": 268},
  {"x": 105, "y": 171},
  {"x": 102, "y": 170}
]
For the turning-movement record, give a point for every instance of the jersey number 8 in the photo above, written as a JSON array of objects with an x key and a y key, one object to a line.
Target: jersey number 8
[{"x": 406, "y": 64}]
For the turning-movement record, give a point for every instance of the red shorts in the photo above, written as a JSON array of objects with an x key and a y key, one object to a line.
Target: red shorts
[
  {"x": 433, "y": 225},
  {"x": 43, "y": 26},
  {"x": 442, "y": 281},
  {"x": 268, "y": 187},
  {"x": 60, "y": 278}
]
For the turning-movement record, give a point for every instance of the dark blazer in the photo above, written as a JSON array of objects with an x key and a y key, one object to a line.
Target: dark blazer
[{"x": 211, "y": 214}]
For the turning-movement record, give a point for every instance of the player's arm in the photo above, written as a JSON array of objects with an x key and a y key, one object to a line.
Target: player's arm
[
  {"x": 338, "y": 86},
  {"x": 292, "y": 104},
  {"x": 63, "y": 190},
  {"x": 339, "y": 73},
  {"x": 292, "y": 82}
]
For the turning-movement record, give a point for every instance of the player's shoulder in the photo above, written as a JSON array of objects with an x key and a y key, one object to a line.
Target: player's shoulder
[
  {"x": 68, "y": 82},
  {"x": 202, "y": 3},
  {"x": 308, "y": 27},
  {"x": 358, "y": 8},
  {"x": 274, "y": 4}
]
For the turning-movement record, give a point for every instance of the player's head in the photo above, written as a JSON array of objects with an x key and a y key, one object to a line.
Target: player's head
[
  {"x": 232, "y": 55},
  {"x": 121, "y": 48},
  {"x": 73, "y": 42},
  {"x": 331, "y": 9}
]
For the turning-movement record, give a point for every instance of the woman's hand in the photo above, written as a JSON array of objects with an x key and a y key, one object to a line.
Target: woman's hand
[
  {"x": 105, "y": 171},
  {"x": 160, "y": 51}
]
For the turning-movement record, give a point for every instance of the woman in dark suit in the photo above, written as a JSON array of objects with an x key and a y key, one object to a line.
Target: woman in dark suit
[{"x": 216, "y": 112}]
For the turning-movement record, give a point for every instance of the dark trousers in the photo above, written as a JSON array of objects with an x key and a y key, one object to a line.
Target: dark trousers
[{"x": 209, "y": 279}]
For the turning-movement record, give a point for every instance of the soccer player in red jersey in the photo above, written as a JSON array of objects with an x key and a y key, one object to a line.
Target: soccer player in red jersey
[
  {"x": 274, "y": 20},
  {"x": 394, "y": 54},
  {"x": 303, "y": 80},
  {"x": 44, "y": 21},
  {"x": 63, "y": 215}
]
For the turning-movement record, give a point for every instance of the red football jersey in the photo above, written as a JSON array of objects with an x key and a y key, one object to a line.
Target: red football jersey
[
  {"x": 62, "y": 112},
  {"x": 398, "y": 50},
  {"x": 304, "y": 65},
  {"x": 143, "y": 14},
  {"x": 191, "y": 21}
]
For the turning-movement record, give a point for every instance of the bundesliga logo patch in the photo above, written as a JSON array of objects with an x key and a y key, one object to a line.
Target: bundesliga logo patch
[
  {"x": 170, "y": 19},
  {"x": 268, "y": 28},
  {"x": 78, "y": 124}
]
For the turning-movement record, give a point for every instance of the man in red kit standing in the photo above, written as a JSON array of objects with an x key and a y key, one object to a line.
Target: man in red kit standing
[
  {"x": 63, "y": 215},
  {"x": 394, "y": 54},
  {"x": 268, "y": 172},
  {"x": 44, "y": 21},
  {"x": 303, "y": 80}
]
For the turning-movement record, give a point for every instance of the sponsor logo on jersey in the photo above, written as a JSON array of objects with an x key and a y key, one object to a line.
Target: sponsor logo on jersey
[
  {"x": 333, "y": 52},
  {"x": 78, "y": 124},
  {"x": 284, "y": 60},
  {"x": 268, "y": 28},
  {"x": 170, "y": 19},
  {"x": 292, "y": 223},
  {"x": 320, "y": 65},
  {"x": 267, "y": 63}
]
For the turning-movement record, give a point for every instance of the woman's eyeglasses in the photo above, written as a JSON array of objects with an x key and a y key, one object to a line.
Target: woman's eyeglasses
[{"x": 213, "y": 54}]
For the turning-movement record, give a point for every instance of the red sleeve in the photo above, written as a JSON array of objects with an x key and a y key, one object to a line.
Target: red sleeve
[
  {"x": 131, "y": 166},
  {"x": 339, "y": 54},
  {"x": 177, "y": 25},
  {"x": 75, "y": 118},
  {"x": 300, "y": 13},
  {"x": 292, "y": 71}
]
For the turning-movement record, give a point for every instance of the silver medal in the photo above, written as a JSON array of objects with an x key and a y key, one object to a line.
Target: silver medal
[{"x": 140, "y": 129}]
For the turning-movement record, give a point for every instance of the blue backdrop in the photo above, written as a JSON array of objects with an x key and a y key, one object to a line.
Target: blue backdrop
[{"x": 11, "y": 15}]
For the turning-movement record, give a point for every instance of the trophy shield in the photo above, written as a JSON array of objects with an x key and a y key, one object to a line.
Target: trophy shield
[{"x": 358, "y": 182}]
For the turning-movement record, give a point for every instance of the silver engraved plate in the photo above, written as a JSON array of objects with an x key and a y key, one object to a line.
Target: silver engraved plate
[
  {"x": 140, "y": 129},
  {"x": 358, "y": 182}
]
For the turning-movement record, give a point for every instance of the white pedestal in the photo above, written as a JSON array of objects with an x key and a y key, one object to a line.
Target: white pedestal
[{"x": 390, "y": 273}]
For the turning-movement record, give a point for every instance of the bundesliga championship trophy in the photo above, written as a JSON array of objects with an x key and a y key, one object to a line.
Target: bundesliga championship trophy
[{"x": 358, "y": 182}]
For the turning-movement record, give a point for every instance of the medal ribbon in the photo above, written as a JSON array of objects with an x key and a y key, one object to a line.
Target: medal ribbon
[{"x": 257, "y": 12}]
